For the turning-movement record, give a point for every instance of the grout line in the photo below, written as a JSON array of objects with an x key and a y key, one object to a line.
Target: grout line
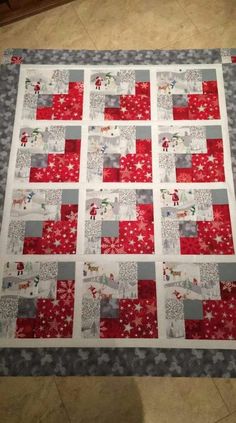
[
  {"x": 222, "y": 419},
  {"x": 84, "y": 27},
  {"x": 218, "y": 390},
  {"x": 59, "y": 393}
]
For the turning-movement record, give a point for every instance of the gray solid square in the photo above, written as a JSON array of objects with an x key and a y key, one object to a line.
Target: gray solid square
[
  {"x": 66, "y": 270},
  {"x": 143, "y": 132},
  {"x": 111, "y": 160},
  {"x": 112, "y": 101},
  {"x": 227, "y": 272},
  {"x": 193, "y": 309},
  {"x": 33, "y": 228},
  {"x": 213, "y": 132},
  {"x": 146, "y": 271},
  {"x": 188, "y": 229},
  {"x": 142, "y": 75},
  {"x": 109, "y": 308},
  {"x": 73, "y": 133},
  {"x": 144, "y": 196},
  {"x": 26, "y": 308},
  {"x": 219, "y": 196},
  {"x": 44, "y": 100},
  {"x": 208, "y": 74},
  {"x": 39, "y": 160},
  {"x": 76, "y": 75},
  {"x": 70, "y": 196},
  {"x": 179, "y": 100},
  {"x": 110, "y": 228},
  {"x": 183, "y": 161}
]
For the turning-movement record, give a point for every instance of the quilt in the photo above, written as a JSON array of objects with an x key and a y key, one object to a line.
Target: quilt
[{"x": 119, "y": 224}]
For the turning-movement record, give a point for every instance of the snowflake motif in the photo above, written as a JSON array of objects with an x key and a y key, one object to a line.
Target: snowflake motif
[
  {"x": 111, "y": 246},
  {"x": 66, "y": 290}
]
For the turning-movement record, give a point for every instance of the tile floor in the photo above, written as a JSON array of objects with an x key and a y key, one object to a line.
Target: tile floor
[{"x": 123, "y": 24}]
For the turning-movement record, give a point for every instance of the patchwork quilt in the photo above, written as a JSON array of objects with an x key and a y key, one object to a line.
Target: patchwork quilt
[{"x": 119, "y": 225}]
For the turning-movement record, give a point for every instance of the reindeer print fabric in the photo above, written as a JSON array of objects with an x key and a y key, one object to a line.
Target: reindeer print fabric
[{"x": 119, "y": 222}]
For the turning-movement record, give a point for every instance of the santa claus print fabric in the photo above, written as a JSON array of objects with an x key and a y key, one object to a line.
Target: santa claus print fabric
[{"x": 119, "y": 224}]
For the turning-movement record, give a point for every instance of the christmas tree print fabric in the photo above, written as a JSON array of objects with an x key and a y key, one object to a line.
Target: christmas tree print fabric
[{"x": 119, "y": 224}]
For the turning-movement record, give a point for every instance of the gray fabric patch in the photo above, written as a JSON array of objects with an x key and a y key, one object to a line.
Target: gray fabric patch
[{"x": 146, "y": 271}]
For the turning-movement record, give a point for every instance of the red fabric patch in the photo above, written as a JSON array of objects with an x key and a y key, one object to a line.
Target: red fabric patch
[
  {"x": 111, "y": 174},
  {"x": 25, "y": 328},
  {"x": 180, "y": 113},
  {"x": 184, "y": 174},
  {"x": 146, "y": 289}
]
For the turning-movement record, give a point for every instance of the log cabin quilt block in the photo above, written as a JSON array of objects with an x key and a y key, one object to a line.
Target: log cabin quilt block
[{"x": 190, "y": 94}]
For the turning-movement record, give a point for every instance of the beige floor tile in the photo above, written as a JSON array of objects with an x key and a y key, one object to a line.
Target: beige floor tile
[
  {"x": 207, "y": 14},
  {"x": 141, "y": 400},
  {"x": 218, "y": 37},
  {"x": 56, "y": 28},
  {"x": 134, "y": 24},
  {"x": 229, "y": 419},
  {"x": 227, "y": 388},
  {"x": 30, "y": 399}
]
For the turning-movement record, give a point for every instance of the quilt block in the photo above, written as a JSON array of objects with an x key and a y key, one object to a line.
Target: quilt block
[
  {"x": 43, "y": 222},
  {"x": 200, "y": 300},
  {"x": 37, "y": 300},
  {"x": 187, "y": 94},
  {"x": 120, "y": 95},
  {"x": 191, "y": 154},
  {"x": 53, "y": 94},
  {"x": 119, "y": 300},
  {"x": 119, "y": 222},
  {"x": 196, "y": 221},
  {"x": 50, "y": 154},
  {"x": 119, "y": 154}
]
